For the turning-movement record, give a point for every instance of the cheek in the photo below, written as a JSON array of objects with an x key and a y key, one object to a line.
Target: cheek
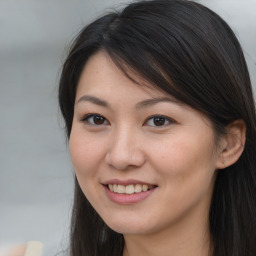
[
  {"x": 185, "y": 151},
  {"x": 85, "y": 152},
  {"x": 186, "y": 162},
  {"x": 187, "y": 174},
  {"x": 85, "y": 155}
]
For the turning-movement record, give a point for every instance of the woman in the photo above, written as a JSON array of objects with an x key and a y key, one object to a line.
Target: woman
[{"x": 160, "y": 118}]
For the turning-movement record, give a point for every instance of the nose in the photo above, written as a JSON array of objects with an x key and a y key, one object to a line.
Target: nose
[{"x": 125, "y": 150}]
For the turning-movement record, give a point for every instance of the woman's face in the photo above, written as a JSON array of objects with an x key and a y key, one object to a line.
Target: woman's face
[{"x": 158, "y": 155}]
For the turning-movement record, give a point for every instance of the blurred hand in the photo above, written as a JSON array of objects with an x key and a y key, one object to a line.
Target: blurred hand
[{"x": 18, "y": 250}]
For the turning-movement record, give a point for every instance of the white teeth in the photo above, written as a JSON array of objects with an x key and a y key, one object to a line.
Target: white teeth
[
  {"x": 130, "y": 189},
  {"x": 138, "y": 188},
  {"x": 145, "y": 187},
  {"x": 121, "y": 189},
  {"x": 110, "y": 186}
]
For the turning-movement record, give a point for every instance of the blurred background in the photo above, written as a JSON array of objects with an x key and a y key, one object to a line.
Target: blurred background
[{"x": 36, "y": 175}]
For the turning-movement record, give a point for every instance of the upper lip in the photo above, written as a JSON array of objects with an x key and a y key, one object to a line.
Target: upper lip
[{"x": 127, "y": 182}]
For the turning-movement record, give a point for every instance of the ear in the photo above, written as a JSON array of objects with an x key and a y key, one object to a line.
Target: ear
[{"x": 232, "y": 144}]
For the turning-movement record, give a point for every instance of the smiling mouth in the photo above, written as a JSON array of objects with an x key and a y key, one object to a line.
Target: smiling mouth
[{"x": 129, "y": 189}]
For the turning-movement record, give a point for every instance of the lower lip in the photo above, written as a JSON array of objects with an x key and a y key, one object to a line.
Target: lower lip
[{"x": 128, "y": 199}]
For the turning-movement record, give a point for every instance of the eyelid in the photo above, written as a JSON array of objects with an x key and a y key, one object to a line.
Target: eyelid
[
  {"x": 89, "y": 115},
  {"x": 170, "y": 120}
]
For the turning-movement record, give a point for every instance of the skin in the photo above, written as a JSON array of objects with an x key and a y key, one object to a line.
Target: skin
[
  {"x": 17, "y": 250},
  {"x": 180, "y": 156}
]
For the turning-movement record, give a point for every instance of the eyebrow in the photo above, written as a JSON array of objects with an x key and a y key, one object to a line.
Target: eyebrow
[
  {"x": 153, "y": 101},
  {"x": 93, "y": 100},
  {"x": 139, "y": 105}
]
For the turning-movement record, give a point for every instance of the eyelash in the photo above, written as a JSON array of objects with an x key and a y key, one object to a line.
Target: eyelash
[
  {"x": 165, "y": 118},
  {"x": 87, "y": 117},
  {"x": 93, "y": 115}
]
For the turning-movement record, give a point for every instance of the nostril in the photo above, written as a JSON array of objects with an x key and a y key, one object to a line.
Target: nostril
[{"x": 125, "y": 159}]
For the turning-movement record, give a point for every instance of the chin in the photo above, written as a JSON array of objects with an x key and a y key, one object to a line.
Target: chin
[
  {"x": 130, "y": 227},
  {"x": 129, "y": 230}
]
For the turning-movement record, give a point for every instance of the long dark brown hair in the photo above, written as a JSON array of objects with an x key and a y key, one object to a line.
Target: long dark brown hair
[{"x": 189, "y": 52}]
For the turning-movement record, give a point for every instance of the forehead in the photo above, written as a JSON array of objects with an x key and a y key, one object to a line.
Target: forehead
[
  {"x": 103, "y": 83},
  {"x": 101, "y": 75}
]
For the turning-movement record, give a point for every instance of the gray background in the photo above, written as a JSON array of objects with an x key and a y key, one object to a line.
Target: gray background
[{"x": 36, "y": 174}]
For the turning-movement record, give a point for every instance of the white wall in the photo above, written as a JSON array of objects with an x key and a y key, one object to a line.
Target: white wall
[{"x": 35, "y": 169}]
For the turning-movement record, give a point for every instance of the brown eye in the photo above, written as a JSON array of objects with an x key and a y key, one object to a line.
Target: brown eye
[
  {"x": 158, "y": 121},
  {"x": 94, "y": 119},
  {"x": 98, "y": 120}
]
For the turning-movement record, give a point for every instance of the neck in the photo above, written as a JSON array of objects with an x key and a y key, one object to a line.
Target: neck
[{"x": 186, "y": 238}]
